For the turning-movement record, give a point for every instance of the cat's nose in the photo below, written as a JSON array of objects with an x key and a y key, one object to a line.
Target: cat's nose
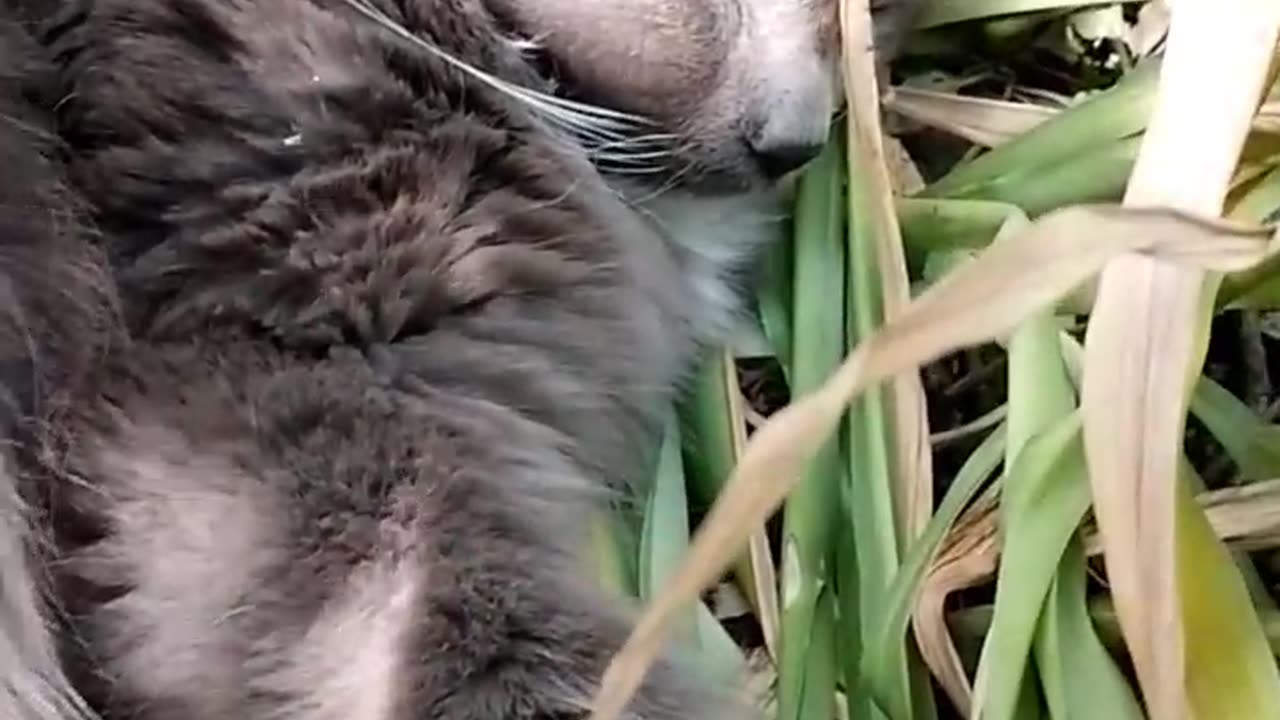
[
  {"x": 779, "y": 156},
  {"x": 793, "y": 124}
]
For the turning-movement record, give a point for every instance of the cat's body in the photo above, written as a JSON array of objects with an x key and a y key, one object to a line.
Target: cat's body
[{"x": 321, "y": 349}]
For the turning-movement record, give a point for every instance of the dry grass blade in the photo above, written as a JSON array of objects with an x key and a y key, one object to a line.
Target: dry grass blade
[
  {"x": 1146, "y": 337},
  {"x": 980, "y": 301},
  {"x": 982, "y": 121},
  {"x": 1248, "y": 517},
  {"x": 763, "y": 574},
  {"x": 968, "y": 558},
  {"x": 990, "y": 122}
]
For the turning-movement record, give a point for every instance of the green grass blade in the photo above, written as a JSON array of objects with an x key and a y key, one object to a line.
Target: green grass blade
[
  {"x": 707, "y": 432},
  {"x": 1099, "y": 123},
  {"x": 1052, "y": 499},
  {"x": 942, "y": 12},
  {"x": 934, "y": 224},
  {"x": 889, "y": 629},
  {"x": 1230, "y": 673},
  {"x": 871, "y": 551},
  {"x": 1259, "y": 286},
  {"x": 1095, "y": 174},
  {"x": 1080, "y": 679},
  {"x": 1067, "y": 656},
  {"x": 611, "y": 556},
  {"x": 806, "y": 670},
  {"x": 867, "y": 555},
  {"x": 1252, "y": 444},
  {"x": 664, "y": 536},
  {"x": 1262, "y": 202},
  {"x": 774, "y": 299},
  {"x": 664, "y": 540},
  {"x": 710, "y": 443}
]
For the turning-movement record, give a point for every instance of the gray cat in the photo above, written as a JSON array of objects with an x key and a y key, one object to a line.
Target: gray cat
[{"x": 325, "y": 323}]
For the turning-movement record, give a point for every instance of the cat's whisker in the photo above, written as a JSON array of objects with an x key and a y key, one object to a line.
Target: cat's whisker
[
  {"x": 579, "y": 116},
  {"x": 663, "y": 142},
  {"x": 629, "y": 160}
]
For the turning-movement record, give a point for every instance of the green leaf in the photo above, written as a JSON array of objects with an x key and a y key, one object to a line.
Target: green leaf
[{"x": 806, "y": 668}]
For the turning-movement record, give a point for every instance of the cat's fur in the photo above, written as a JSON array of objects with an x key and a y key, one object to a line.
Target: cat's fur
[{"x": 317, "y": 353}]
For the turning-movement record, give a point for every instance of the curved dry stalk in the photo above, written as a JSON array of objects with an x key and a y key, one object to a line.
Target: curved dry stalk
[{"x": 967, "y": 559}]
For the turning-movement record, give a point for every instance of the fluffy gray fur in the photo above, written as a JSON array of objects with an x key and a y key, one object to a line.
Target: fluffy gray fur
[{"x": 321, "y": 335}]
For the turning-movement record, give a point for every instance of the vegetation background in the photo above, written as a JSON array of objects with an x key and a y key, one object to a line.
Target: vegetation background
[{"x": 1003, "y": 442}]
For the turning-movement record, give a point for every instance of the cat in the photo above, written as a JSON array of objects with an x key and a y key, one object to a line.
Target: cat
[{"x": 327, "y": 323}]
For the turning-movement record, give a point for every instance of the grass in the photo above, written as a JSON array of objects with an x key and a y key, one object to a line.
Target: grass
[{"x": 1100, "y": 541}]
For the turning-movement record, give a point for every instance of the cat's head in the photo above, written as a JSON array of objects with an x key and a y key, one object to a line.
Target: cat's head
[{"x": 739, "y": 92}]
